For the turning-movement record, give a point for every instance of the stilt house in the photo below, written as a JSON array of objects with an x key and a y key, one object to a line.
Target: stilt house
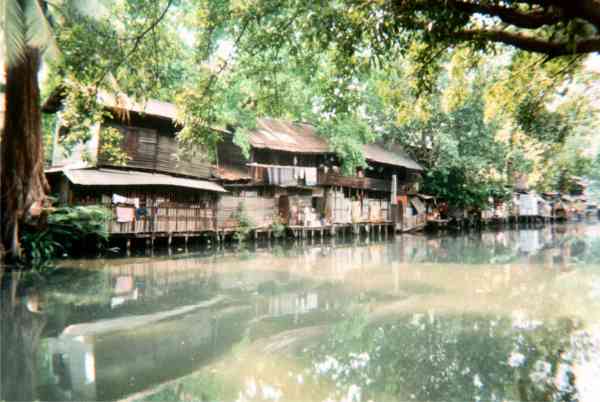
[
  {"x": 292, "y": 176},
  {"x": 156, "y": 193}
]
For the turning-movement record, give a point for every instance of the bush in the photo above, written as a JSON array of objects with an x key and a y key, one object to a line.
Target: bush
[
  {"x": 245, "y": 223},
  {"x": 278, "y": 227},
  {"x": 62, "y": 228}
]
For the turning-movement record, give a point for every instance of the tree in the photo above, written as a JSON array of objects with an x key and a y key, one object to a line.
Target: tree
[
  {"x": 29, "y": 32},
  {"x": 22, "y": 182},
  {"x": 548, "y": 27}
]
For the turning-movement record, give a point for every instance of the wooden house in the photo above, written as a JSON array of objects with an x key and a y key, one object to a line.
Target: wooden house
[
  {"x": 156, "y": 193},
  {"x": 292, "y": 176}
]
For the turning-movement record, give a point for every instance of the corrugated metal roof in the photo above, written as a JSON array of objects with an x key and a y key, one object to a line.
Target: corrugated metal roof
[
  {"x": 113, "y": 177},
  {"x": 397, "y": 157},
  {"x": 288, "y": 136},
  {"x": 151, "y": 106}
]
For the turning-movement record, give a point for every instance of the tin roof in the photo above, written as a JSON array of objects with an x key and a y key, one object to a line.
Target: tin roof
[
  {"x": 117, "y": 101},
  {"x": 113, "y": 177},
  {"x": 397, "y": 157},
  {"x": 303, "y": 138},
  {"x": 150, "y": 107},
  {"x": 288, "y": 136}
]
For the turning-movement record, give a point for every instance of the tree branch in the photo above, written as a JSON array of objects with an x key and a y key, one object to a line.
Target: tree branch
[
  {"x": 541, "y": 12},
  {"x": 136, "y": 44},
  {"x": 513, "y": 16},
  {"x": 531, "y": 44}
]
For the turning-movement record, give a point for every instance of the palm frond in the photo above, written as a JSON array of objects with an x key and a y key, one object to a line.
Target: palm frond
[
  {"x": 14, "y": 31},
  {"x": 39, "y": 31}
]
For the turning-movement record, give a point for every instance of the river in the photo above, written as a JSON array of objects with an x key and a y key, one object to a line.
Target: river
[{"x": 492, "y": 316}]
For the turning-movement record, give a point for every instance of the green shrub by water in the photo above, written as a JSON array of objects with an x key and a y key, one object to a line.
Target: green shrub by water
[{"x": 62, "y": 229}]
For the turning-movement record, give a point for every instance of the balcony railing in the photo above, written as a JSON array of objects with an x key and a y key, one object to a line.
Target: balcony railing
[{"x": 365, "y": 183}]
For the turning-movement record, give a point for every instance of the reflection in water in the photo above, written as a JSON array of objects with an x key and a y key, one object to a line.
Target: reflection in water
[{"x": 509, "y": 315}]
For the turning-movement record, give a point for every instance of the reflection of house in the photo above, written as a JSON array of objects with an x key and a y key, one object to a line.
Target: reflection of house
[
  {"x": 529, "y": 241},
  {"x": 109, "y": 359},
  {"x": 291, "y": 174},
  {"x": 155, "y": 192},
  {"x": 292, "y": 303}
]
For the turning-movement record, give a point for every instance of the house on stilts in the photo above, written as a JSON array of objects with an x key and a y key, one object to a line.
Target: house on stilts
[
  {"x": 291, "y": 176},
  {"x": 288, "y": 180},
  {"x": 155, "y": 194}
]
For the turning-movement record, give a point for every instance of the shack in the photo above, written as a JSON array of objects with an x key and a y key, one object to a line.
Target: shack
[
  {"x": 156, "y": 193},
  {"x": 292, "y": 177}
]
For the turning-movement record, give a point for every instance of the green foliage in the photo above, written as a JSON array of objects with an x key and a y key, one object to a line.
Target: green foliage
[
  {"x": 242, "y": 139},
  {"x": 110, "y": 149},
  {"x": 465, "y": 163},
  {"x": 245, "y": 224},
  {"x": 346, "y": 137},
  {"x": 48, "y": 131},
  {"x": 359, "y": 73},
  {"x": 278, "y": 227},
  {"x": 129, "y": 47},
  {"x": 449, "y": 358},
  {"x": 80, "y": 114},
  {"x": 63, "y": 228}
]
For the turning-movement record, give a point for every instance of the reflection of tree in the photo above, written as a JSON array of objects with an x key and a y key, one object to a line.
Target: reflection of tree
[
  {"x": 20, "y": 330},
  {"x": 471, "y": 249},
  {"x": 467, "y": 357}
]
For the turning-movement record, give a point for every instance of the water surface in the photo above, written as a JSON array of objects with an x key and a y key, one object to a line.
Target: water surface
[{"x": 493, "y": 316}]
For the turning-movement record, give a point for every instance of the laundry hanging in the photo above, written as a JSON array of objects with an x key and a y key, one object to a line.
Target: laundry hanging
[
  {"x": 125, "y": 214},
  {"x": 119, "y": 199},
  {"x": 310, "y": 175}
]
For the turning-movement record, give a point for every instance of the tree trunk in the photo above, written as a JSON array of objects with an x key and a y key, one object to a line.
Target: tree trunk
[{"x": 22, "y": 177}]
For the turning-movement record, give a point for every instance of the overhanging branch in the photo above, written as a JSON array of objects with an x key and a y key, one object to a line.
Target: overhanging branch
[
  {"x": 531, "y": 44},
  {"x": 521, "y": 19}
]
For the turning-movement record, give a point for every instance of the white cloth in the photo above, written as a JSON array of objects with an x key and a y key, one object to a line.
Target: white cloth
[
  {"x": 310, "y": 175},
  {"x": 119, "y": 199}
]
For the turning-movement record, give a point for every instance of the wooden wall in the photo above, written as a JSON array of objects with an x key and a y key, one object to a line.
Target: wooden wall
[
  {"x": 154, "y": 147},
  {"x": 230, "y": 154},
  {"x": 273, "y": 157},
  {"x": 166, "y": 210},
  {"x": 261, "y": 211}
]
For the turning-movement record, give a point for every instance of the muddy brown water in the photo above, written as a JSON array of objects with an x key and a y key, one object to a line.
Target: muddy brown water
[{"x": 492, "y": 316}]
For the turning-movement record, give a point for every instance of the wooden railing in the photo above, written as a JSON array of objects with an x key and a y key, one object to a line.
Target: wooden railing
[
  {"x": 166, "y": 220},
  {"x": 365, "y": 183}
]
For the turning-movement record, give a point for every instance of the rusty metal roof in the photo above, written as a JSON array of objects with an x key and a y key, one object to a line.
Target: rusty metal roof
[
  {"x": 114, "y": 177},
  {"x": 302, "y": 138},
  {"x": 117, "y": 101},
  {"x": 150, "y": 107},
  {"x": 397, "y": 157},
  {"x": 288, "y": 136}
]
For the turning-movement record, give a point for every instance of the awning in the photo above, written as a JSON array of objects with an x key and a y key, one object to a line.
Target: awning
[
  {"x": 418, "y": 204},
  {"x": 113, "y": 177}
]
